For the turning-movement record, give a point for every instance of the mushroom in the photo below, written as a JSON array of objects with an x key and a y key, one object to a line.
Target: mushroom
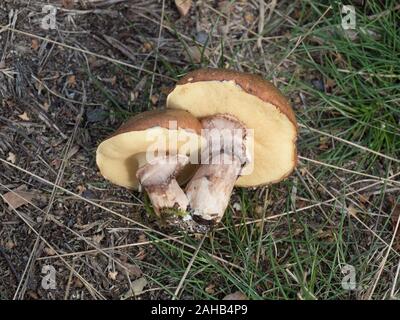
[
  {"x": 151, "y": 151},
  {"x": 258, "y": 128}
]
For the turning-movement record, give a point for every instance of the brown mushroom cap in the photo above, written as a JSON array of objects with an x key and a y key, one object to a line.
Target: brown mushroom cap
[
  {"x": 255, "y": 102},
  {"x": 118, "y": 156}
]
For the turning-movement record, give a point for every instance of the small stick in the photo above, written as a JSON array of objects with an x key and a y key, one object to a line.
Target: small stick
[
  {"x": 180, "y": 285},
  {"x": 10, "y": 265}
]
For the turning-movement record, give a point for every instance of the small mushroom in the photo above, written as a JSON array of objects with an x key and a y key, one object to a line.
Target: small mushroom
[
  {"x": 258, "y": 129},
  {"x": 152, "y": 150}
]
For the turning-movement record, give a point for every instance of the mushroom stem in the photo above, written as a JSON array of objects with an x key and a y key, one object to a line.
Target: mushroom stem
[
  {"x": 210, "y": 188},
  {"x": 157, "y": 177}
]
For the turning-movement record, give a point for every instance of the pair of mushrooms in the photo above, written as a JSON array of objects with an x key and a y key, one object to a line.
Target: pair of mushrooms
[{"x": 220, "y": 128}]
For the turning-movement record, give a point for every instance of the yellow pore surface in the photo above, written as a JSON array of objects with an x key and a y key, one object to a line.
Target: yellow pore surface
[{"x": 274, "y": 134}]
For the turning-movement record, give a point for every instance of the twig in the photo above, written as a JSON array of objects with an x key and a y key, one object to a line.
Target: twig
[
  {"x": 69, "y": 282},
  {"x": 188, "y": 268},
  {"x": 123, "y": 246},
  {"x": 10, "y": 265},
  {"x": 392, "y": 291},
  {"x": 261, "y": 24},
  {"x": 126, "y": 51}
]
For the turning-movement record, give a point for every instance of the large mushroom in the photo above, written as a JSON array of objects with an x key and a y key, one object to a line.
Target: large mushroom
[
  {"x": 152, "y": 150},
  {"x": 258, "y": 129}
]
